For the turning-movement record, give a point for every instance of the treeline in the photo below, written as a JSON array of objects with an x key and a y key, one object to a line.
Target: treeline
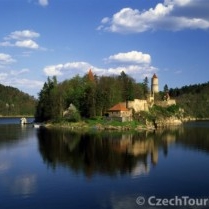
[
  {"x": 93, "y": 96},
  {"x": 194, "y": 99},
  {"x": 14, "y": 102},
  {"x": 90, "y": 94}
]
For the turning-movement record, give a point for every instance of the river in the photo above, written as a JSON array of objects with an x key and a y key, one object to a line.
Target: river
[{"x": 60, "y": 169}]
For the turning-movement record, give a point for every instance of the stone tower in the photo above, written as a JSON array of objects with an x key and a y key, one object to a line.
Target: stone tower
[{"x": 154, "y": 84}]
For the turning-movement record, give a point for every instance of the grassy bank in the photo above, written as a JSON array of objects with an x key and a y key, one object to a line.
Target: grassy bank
[{"x": 101, "y": 124}]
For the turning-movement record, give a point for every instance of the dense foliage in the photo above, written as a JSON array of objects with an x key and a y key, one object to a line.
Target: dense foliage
[
  {"x": 13, "y": 102},
  {"x": 91, "y": 96},
  {"x": 194, "y": 99}
]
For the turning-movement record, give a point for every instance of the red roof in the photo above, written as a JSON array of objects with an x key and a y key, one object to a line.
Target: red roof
[{"x": 118, "y": 107}]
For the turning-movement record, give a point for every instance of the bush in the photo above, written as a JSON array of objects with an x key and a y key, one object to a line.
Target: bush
[{"x": 74, "y": 116}]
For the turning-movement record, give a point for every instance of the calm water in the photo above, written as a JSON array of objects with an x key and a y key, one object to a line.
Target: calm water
[{"x": 48, "y": 169}]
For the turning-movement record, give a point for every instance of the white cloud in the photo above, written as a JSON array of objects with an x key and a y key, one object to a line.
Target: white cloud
[
  {"x": 166, "y": 15},
  {"x": 73, "y": 67},
  {"x": 3, "y": 76},
  {"x": 6, "y": 43},
  {"x": 23, "y": 71},
  {"x": 135, "y": 71},
  {"x": 135, "y": 64},
  {"x": 15, "y": 78},
  {"x": 6, "y": 59},
  {"x": 27, "y": 44},
  {"x": 43, "y": 2},
  {"x": 131, "y": 57},
  {"x": 177, "y": 2},
  {"x": 24, "y": 83},
  {"x": 21, "y": 35},
  {"x": 22, "y": 39}
]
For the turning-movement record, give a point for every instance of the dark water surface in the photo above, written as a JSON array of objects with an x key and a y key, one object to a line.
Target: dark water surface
[{"x": 48, "y": 169}]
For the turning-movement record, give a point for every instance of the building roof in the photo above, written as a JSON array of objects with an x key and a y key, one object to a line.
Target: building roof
[
  {"x": 154, "y": 76},
  {"x": 118, "y": 107}
]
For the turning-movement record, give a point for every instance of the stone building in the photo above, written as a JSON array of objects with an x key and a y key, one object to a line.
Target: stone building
[
  {"x": 120, "y": 113},
  {"x": 124, "y": 110}
]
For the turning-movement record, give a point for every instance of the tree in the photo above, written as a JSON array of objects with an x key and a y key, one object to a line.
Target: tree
[
  {"x": 126, "y": 86},
  {"x": 166, "y": 88},
  {"x": 45, "y": 107},
  {"x": 146, "y": 86}
]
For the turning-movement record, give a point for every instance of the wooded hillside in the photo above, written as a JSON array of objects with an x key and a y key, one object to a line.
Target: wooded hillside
[
  {"x": 194, "y": 99},
  {"x": 14, "y": 102}
]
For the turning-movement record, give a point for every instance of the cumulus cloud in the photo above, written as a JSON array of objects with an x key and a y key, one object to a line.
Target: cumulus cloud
[
  {"x": 27, "y": 44},
  {"x": 22, "y": 39},
  {"x": 73, "y": 67},
  {"x": 131, "y": 57},
  {"x": 6, "y": 59},
  {"x": 21, "y": 35},
  {"x": 169, "y": 15},
  {"x": 135, "y": 64}
]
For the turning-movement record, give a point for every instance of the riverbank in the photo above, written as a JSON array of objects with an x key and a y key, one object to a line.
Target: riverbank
[
  {"x": 101, "y": 125},
  {"x": 16, "y": 116}
]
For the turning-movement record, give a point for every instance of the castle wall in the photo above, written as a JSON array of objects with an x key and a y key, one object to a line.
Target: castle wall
[
  {"x": 166, "y": 103},
  {"x": 138, "y": 105}
]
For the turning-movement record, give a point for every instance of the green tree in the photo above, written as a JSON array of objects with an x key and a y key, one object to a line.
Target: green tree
[
  {"x": 146, "y": 86},
  {"x": 45, "y": 108},
  {"x": 166, "y": 88},
  {"x": 126, "y": 86}
]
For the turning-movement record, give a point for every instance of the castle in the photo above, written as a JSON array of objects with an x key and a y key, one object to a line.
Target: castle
[
  {"x": 154, "y": 84},
  {"x": 124, "y": 110}
]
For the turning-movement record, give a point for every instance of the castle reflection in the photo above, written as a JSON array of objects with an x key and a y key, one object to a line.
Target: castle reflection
[
  {"x": 108, "y": 153},
  {"x": 113, "y": 153}
]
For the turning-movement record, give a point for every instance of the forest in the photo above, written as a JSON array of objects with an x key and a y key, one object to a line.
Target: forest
[
  {"x": 93, "y": 96},
  {"x": 194, "y": 99},
  {"x": 14, "y": 102},
  {"x": 90, "y": 94}
]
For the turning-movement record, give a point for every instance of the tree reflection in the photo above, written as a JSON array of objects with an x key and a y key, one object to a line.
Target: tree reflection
[
  {"x": 11, "y": 134},
  {"x": 113, "y": 153},
  {"x": 106, "y": 153}
]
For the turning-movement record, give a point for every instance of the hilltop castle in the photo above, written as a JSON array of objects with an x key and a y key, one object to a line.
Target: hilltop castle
[{"x": 124, "y": 111}]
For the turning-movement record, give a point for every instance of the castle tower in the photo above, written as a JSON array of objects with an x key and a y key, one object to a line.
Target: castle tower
[{"x": 154, "y": 84}]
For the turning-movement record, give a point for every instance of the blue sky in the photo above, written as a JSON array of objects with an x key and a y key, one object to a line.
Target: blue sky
[{"x": 41, "y": 38}]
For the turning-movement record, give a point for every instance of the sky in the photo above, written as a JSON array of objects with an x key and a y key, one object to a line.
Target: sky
[{"x": 65, "y": 38}]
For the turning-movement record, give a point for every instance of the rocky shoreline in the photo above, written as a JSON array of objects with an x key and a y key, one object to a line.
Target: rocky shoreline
[{"x": 171, "y": 121}]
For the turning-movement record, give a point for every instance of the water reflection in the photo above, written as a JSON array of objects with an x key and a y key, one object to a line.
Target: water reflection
[
  {"x": 106, "y": 152},
  {"x": 24, "y": 185},
  {"x": 11, "y": 134},
  {"x": 115, "y": 153}
]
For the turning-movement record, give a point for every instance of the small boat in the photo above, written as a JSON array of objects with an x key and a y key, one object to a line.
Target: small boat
[{"x": 36, "y": 125}]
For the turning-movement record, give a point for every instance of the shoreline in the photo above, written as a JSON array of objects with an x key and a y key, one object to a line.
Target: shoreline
[
  {"x": 82, "y": 125},
  {"x": 16, "y": 116}
]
